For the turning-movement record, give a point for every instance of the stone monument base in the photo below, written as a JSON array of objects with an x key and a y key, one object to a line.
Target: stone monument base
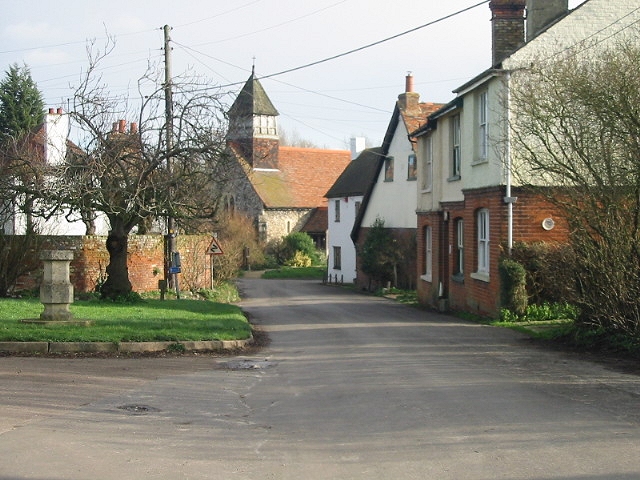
[{"x": 74, "y": 323}]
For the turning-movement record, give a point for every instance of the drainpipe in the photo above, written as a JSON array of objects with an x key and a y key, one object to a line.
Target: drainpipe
[{"x": 508, "y": 199}]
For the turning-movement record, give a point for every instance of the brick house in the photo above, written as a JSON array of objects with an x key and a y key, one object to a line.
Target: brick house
[
  {"x": 469, "y": 209},
  {"x": 280, "y": 188},
  {"x": 392, "y": 195}
]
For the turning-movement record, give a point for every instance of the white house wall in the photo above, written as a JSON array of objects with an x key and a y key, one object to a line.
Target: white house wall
[
  {"x": 394, "y": 201},
  {"x": 57, "y": 225},
  {"x": 339, "y": 235},
  {"x": 596, "y": 22},
  {"x": 594, "y": 25}
]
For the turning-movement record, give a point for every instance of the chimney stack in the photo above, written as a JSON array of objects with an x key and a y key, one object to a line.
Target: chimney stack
[
  {"x": 540, "y": 13},
  {"x": 507, "y": 31},
  {"x": 409, "y": 100},
  {"x": 357, "y": 145}
]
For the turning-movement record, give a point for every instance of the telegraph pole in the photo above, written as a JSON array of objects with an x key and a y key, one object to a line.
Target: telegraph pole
[{"x": 170, "y": 248}]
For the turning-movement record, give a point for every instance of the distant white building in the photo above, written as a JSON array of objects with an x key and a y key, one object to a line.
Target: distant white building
[
  {"x": 345, "y": 198},
  {"x": 51, "y": 141}
]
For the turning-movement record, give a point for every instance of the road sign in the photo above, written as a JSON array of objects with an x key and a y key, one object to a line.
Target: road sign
[{"x": 214, "y": 248}]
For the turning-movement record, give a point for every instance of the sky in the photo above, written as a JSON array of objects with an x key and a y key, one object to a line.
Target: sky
[{"x": 326, "y": 103}]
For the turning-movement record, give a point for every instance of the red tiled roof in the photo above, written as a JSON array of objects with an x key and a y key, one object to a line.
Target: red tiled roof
[
  {"x": 415, "y": 119},
  {"x": 318, "y": 221},
  {"x": 303, "y": 178}
]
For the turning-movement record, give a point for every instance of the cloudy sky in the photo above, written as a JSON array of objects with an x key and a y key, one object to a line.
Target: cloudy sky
[{"x": 326, "y": 103}]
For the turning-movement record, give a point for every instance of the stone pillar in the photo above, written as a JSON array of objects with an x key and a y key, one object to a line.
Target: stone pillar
[{"x": 56, "y": 291}]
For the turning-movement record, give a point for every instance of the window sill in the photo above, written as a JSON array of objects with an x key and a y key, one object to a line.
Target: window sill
[
  {"x": 458, "y": 278},
  {"x": 426, "y": 190},
  {"x": 426, "y": 278},
  {"x": 454, "y": 178},
  {"x": 480, "y": 161},
  {"x": 411, "y": 179},
  {"x": 482, "y": 276}
]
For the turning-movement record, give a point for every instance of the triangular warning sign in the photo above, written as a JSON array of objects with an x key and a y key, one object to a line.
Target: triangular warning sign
[{"x": 214, "y": 248}]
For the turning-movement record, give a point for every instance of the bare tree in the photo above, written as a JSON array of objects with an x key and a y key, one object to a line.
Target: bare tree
[
  {"x": 576, "y": 137},
  {"x": 125, "y": 167}
]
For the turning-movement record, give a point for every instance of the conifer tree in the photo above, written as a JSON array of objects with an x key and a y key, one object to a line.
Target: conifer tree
[{"x": 21, "y": 103}]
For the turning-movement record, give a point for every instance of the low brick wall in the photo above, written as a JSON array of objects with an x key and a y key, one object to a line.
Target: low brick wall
[{"x": 145, "y": 261}]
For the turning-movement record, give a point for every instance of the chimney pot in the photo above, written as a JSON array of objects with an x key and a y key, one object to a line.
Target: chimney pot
[
  {"x": 133, "y": 128},
  {"x": 409, "y": 83},
  {"x": 51, "y": 111},
  {"x": 115, "y": 127},
  {"x": 59, "y": 111},
  {"x": 122, "y": 125}
]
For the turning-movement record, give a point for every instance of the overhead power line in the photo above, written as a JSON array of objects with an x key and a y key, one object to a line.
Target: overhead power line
[
  {"x": 344, "y": 54},
  {"x": 334, "y": 57}
]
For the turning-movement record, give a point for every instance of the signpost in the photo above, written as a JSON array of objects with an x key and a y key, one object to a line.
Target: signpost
[
  {"x": 212, "y": 250},
  {"x": 214, "y": 247}
]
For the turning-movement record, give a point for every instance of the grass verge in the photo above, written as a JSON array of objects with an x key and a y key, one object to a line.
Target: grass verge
[
  {"x": 146, "y": 321},
  {"x": 544, "y": 330},
  {"x": 299, "y": 273}
]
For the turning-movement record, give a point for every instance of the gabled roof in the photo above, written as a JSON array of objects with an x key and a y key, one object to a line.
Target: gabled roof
[
  {"x": 357, "y": 178},
  {"x": 303, "y": 177},
  {"x": 413, "y": 119},
  {"x": 252, "y": 100}
]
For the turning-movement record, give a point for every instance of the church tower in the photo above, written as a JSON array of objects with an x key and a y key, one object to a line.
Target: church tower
[{"x": 253, "y": 125}]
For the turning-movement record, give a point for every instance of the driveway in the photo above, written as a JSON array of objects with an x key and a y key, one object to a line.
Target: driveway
[{"x": 350, "y": 387}]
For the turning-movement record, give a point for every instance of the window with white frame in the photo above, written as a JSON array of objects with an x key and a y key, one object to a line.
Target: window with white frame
[
  {"x": 337, "y": 211},
  {"x": 428, "y": 254},
  {"x": 427, "y": 175},
  {"x": 482, "y": 218},
  {"x": 459, "y": 267},
  {"x": 455, "y": 147},
  {"x": 483, "y": 126}
]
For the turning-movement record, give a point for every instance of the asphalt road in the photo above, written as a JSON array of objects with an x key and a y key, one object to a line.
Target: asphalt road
[{"x": 350, "y": 387}]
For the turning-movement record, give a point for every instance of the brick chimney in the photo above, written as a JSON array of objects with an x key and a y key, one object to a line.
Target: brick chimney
[
  {"x": 507, "y": 31},
  {"x": 540, "y": 13},
  {"x": 409, "y": 100}
]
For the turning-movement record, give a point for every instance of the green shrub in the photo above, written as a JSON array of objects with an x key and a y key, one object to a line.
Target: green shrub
[
  {"x": 550, "y": 271},
  {"x": 513, "y": 278},
  {"x": 299, "y": 260},
  {"x": 285, "y": 250}
]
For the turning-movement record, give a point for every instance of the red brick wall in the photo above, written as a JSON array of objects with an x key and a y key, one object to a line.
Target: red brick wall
[
  {"x": 145, "y": 261},
  {"x": 470, "y": 294}
]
